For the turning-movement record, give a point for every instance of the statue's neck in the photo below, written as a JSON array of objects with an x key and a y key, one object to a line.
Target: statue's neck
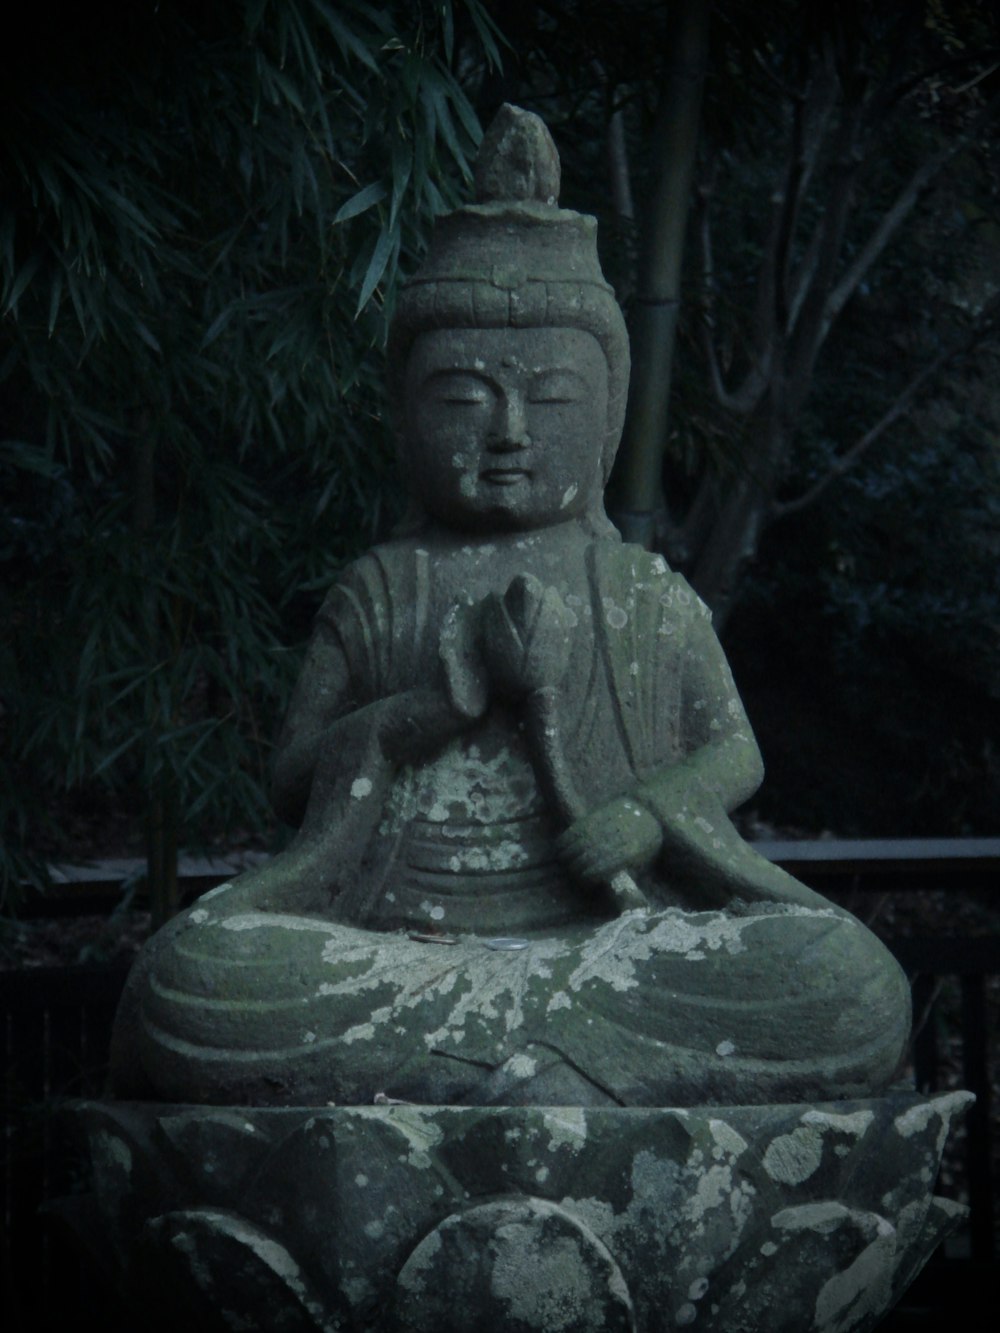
[{"x": 569, "y": 536}]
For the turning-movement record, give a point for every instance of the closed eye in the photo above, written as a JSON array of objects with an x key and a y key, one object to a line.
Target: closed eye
[
  {"x": 461, "y": 388},
  {"x": 557, "y": 386}
]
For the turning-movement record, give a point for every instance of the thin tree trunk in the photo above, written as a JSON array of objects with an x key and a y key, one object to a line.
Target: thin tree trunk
[
  {"x": 161, "y": 813},
  {"x": 742, "y": 516},
  {"x": 637, "y": 493}
]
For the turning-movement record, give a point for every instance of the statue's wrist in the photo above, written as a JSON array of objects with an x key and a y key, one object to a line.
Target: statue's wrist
[{"x": 677, "y": 795}]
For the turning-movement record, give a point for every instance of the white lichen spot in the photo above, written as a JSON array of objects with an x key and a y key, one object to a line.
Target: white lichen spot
[
  {"x": 275, "y": 921},
  {"x": 918, "y": 1117},
  {"x": 559, "y": 1000},
  {"x": 436, "y": 913},
  {"x": 768, "y": 1248},
  {"x": 360, "y": 788},
  {"x": 633, "y": 669},
  {"x": 199, "y": 916},
  {"x": 308, "y": 1038},
  {"x": 567, "y": 1127},
  {"x": 727, "y": 1138},
  {"x": 850, "y": 1122},
  {"x": 686, "y": 1314},
  {"x": 792, "y": 1158},
  {"x": 569, "y": 495},
  {"x": 361, "y": 1180},
  {"x": 713, "y": 1188},
  {"x": 725, "y": 1048},
  {"x": 616, "y": 617},
  {"x": 823, "y": 1217},
  {"x": 697, "y": 1289},
  {"x": 853, "y": 1298},
  {"x": 522, "y": 1065},
  {"x": 366, "y": 1031},
  {"x": 218, "y": 891}
]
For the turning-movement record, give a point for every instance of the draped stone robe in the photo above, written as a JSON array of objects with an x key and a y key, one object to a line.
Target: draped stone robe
[{"x": 303, "y": 982}]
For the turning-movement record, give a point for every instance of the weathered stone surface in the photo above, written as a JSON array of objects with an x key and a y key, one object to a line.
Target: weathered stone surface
[
  {"x": 767, "y": 1219},
  {"x": 511, "y": 724},
  {"x": 515, "y": 900}
]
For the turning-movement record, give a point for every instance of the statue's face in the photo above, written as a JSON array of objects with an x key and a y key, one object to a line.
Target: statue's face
[{"x": 505, "y": 427}]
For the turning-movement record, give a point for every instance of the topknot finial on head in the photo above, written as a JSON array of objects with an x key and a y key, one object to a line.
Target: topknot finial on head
[{"x": 517, "y": 160}]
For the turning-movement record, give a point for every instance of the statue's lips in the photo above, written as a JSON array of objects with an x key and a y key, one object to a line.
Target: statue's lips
[{"x": 505, "y": 476}]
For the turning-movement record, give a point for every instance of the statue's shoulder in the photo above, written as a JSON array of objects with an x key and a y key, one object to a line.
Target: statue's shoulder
[
  {"x": 647, "y": 576},
  {"x": 385, "y": 573}
]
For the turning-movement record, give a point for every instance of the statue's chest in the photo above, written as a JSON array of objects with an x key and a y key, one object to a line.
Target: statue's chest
[{"x": 467, "y": 843}]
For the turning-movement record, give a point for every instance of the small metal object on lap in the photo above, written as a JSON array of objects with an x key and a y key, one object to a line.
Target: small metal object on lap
[
  {"x": 506, "y": 944},
  {"x": 424, "y": 937}
]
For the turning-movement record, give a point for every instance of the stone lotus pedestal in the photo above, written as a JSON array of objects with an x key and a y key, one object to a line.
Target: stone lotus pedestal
[{"x": 405, "y": 1217}]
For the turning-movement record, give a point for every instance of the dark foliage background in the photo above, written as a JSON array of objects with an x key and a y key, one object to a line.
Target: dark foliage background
[{"x": 205, "y": 209}]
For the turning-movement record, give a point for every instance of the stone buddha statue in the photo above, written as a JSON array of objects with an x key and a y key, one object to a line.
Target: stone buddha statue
[{"x": 511, "y": 758}]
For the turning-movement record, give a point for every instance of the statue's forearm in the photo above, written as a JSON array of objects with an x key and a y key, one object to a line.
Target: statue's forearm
[{"x": 728, "y": 771}]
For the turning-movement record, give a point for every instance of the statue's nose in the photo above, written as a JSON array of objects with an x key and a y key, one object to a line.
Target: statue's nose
[{"x": 510, "y": 429}]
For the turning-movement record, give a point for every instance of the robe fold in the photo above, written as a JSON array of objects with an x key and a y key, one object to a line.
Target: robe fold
[{"x": 301, "y": 980}]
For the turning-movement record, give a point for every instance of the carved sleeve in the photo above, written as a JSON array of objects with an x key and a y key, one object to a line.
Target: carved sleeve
[{"x": 719, "y": 763}]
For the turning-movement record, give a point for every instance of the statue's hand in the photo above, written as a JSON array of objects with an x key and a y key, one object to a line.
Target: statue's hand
[
  {"x": 466, "y": 677},
  {"x": 620, "y": 835},
  {"x": 525, "y": 637}
]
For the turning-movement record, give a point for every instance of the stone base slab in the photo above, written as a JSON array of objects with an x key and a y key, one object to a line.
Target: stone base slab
[{"x": 420, "y": 1218}]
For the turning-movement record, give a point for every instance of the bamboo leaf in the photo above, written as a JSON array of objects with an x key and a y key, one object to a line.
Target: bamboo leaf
[
  {"x": 466, "y": 114},
  {"x": 376, "y": 267},
  {"x": 27, "y": 458},
  {"x": 147, "y": 336},
  {"x": 349, "y": 44},
  {"x": 55, "y": 298},
  {"x": 487, "y": 31},
  {"x": 25, "y": 274},
  {"x": 448, "y": 33},
  {"x": 359, "y": 203}
]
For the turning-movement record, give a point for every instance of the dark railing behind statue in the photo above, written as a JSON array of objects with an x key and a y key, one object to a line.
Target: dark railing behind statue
[{"x": 56, "y": 1025}]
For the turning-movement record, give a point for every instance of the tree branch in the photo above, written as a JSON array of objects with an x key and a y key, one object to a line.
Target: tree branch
[
  {"x": 811, "y": 116},
  {"x": 900, "y": 406},
  {"x": 744, "y": 399},
  {"x": 918, "y": 184},
  {"x": 807, "y": 334}
]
